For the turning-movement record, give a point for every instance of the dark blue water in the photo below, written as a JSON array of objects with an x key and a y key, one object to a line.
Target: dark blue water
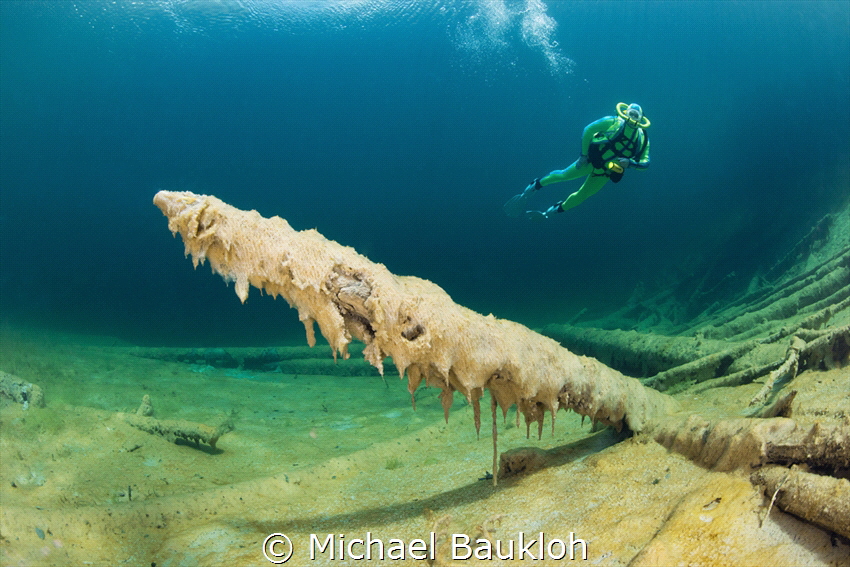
[{"x": 400, "y": 128}]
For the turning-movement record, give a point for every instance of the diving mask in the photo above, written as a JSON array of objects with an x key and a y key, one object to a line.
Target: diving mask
[{"x": 633, "y": 115}]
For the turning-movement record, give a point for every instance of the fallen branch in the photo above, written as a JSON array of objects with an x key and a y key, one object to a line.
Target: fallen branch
[
  {"x": 818, "y": 499},
  {"x": 788, "y": 368},
  {"x": 287, "y": 360},
  {"x": 736, "y": 379},
  {"x": 809, "y": 327},
  {"x": 702, "y": 369},
  {"x": 735, "y": 443},
  {"x": 823, "y": 287},
  {"x": 175, "y": 430},
  {"x": 636, "y": 354},
  {"x": 829, "y": 350},
  {"x": 179, "y": 430},
  {"x": 780, "y": 408}
]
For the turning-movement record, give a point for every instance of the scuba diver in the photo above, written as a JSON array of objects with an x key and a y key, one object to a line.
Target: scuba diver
[{"x": 609, "y": 146}]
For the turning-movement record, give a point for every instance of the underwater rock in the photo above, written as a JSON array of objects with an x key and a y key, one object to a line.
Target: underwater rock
[
  {"x": 146, "y": 408},
  {"x": 20, "y": 391},
  {"x": 522, "y": 460}
]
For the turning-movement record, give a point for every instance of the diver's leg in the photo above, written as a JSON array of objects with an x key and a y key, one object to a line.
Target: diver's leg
[
  {"x": 574, "y": 171},
  {"x": 591, "y": 185}
]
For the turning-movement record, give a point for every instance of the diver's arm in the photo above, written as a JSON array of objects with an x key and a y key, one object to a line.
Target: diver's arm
[
  {"x": 643, "y": 162},
  {"x": 594, "y": 128}
]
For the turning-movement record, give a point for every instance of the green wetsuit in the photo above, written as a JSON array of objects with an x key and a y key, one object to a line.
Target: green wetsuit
[{"x": 632, "y": 143}]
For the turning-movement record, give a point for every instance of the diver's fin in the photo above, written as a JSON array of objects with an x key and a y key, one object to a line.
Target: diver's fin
[{"x": 516, "y": 205}]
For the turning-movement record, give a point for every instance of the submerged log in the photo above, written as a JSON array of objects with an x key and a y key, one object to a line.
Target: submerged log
[{"x": 430, "y": 338}]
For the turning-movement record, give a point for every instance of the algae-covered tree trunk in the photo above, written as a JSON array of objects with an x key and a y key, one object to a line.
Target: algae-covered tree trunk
[
  {"x": 432, "y": 339},
  {"x": 428, "y": 336}
]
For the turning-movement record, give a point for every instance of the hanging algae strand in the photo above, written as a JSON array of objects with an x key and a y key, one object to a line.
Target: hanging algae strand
[{"x": 428, "y": 336}]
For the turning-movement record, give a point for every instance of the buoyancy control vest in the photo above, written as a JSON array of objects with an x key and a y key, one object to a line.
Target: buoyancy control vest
[{"x": 605, "y": 147}]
